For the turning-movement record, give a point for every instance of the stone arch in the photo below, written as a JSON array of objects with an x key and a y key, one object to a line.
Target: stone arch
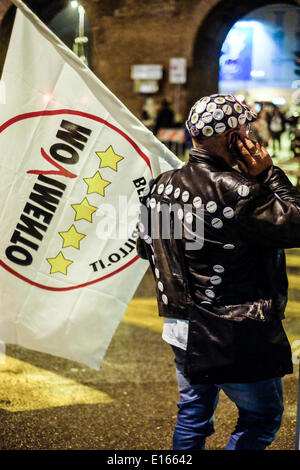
[{"x": 204, "y": 70}]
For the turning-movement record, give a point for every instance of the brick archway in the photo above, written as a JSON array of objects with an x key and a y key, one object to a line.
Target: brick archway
[{"x": 204, "y": 71}]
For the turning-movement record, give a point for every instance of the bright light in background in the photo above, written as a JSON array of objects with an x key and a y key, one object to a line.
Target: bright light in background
[
  {"x": 247, "y": 24},
  {"x": 257, "y": 55},
  {"x": 279, "y": 101},
  {"x": 257, "y": 107},
  {"x": 257, "y": 73},
  {"x": 74, "y": 4}
]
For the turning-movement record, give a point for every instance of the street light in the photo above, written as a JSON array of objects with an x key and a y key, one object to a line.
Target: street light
[{"x": 81, "y": 39}]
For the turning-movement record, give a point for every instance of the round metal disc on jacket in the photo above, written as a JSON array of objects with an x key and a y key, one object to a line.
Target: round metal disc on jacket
[
  {"x": 218, "y": 114},
  {"x": 146, "y": 191},
  {"x": 177, "y": 193},
  {"x": 220, "y": 100},
  {"x": 152, "y": 203},
  {"x": 217, "y": 223},
  {"x": 248, "y": 115},
  {"x": 189, "y": 218},
  {"x": 156, "y": 272},
  {"x": 228, "y": 212},
  {"x": 230, "y": 98},
  {"x": 160, "y": 286},
  {"x": 211, "y": 107},
  {"x": 148, "y": 239},
  {"x": 169, "y": 189},
  {"x": 185, "y": 196},
  {"x": 153, "y": 189},
  {"x": 197, "y": 201},
  {"x": 165, "y": 299},
  {"x": 194, "y": 118},
  {"x": 232, "y": 121},
  {"x": 194, "y": 131},
  {"x": 228, "y": 246},
  {"x": 207, "y": 117},
  {"x": 207, "y": 131},
  {"x": 191, "y": 112},
  {"x": 238, "y": 107},
  {"x": 243, "y": 190},
  {"x": 218, "y": 268},
  {"x": 211, "y": 207},
  {"x": 180, "y": 214},
  {"x": 210, "y": 293},
  {"x": 206, "y": 99},
  {"x": 200, "y": 125},
  {"x": 242, "y": 119},
  {"x": 200, "y": 107},
  {"x": 160, "y": 189},
  {"x": 216, "y": 280},
  {"x": 220, "y": 127},
  {"x": 227, "y": 109}
]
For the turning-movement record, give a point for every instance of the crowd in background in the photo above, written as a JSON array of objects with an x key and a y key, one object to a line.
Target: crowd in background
[{"x": 271, "y": 123}]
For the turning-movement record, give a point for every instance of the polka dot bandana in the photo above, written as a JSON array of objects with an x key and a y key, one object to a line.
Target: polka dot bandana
[{"x": 215, "y": 114}]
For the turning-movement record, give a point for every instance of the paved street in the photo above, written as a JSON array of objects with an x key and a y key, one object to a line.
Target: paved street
[{"x": 52, "y": 403}]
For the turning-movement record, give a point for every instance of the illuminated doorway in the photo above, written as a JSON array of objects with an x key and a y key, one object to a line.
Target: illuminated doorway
[{"x": 258, "y": 55}]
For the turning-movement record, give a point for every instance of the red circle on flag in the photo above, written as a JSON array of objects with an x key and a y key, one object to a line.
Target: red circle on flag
[{"x": 111, "y": 126}]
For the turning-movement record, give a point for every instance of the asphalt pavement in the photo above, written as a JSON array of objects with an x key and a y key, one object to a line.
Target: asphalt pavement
[{"x": 52, "y": 403}]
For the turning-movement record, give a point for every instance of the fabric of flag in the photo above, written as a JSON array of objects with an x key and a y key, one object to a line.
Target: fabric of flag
[{"x": 74, "y": 162}]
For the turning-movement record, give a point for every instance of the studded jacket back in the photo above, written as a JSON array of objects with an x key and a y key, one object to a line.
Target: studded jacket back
[{"x": 214, "y": 239}]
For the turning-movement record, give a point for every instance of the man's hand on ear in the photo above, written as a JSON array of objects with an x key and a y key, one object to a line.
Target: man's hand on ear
[{"x": 253, "y": 158}]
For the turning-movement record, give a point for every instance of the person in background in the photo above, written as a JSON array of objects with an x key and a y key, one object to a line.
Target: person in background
[
  {"x": 276, "y": 127},
  {"x": 148, "y": 115},
  {"x": 261, "y": 129},
  {"x": 165, "y": 116}
]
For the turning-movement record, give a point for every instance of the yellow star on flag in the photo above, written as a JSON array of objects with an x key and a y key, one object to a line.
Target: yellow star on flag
[
  {"x": 84, "y": 210},
  {"x": 71, "y": 237},
  {"x": 96, "y": 184},
  {"x": 109, "y": 158},
  {"x": 59, "y": 264}
]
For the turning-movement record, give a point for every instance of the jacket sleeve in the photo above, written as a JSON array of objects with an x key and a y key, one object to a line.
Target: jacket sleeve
[{"x": 270, "y": 215}]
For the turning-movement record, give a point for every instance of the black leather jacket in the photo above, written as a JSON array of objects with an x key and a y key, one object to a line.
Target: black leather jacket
[{"x": 231, "y": 285}]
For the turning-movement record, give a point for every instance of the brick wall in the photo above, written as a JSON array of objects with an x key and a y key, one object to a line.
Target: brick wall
[
  {"x": 127, "y": 32},
  {"x": 141, "y": 32}
]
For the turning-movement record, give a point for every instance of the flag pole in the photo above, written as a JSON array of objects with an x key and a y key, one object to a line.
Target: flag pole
[{"x": 298, "y": 415}]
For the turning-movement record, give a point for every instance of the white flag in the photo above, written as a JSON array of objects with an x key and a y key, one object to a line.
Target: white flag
[{"x": 74, "y": 162}]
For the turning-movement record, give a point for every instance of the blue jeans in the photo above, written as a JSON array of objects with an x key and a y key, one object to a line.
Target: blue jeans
[{"x": 260, "y": 408}]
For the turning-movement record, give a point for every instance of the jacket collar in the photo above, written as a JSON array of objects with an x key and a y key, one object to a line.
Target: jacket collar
[{"x": 203, "y": 156}]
